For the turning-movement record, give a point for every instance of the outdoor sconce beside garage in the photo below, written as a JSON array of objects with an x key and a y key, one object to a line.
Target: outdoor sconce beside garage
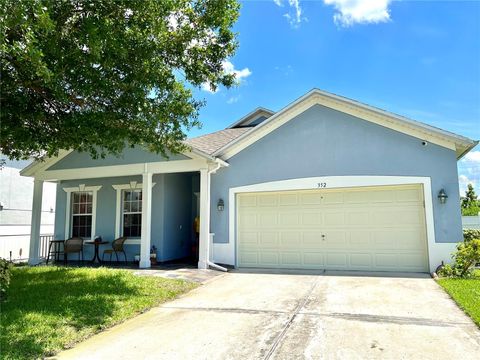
[
  {"x": 220, "y": 205},
  {"x": 442, "y": 196}
]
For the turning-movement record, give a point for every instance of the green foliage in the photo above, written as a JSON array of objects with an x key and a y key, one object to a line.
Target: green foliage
[
  {"x": 51, "y": 308},
  {"x": 470, "y": 234},
  {"x": 98, "y": 75},
  {"x": 446, "y": 270},
  {"x": 466, "y": 293},
  {"x": 469, "y": 204},
  {"x": 5, "y": 275},
  {"x": 464, "y": 260},
  {"x": 471, "y": 211}
]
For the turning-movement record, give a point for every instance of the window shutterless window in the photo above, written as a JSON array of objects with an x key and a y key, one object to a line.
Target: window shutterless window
[
  {"x": 132, "y": 213},
  {"x": 128, "y": 219},
  {"x": 80, "y": 217},
  {"x": 82, "y": 213}
]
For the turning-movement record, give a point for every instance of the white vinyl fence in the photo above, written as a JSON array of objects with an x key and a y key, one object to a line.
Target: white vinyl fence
[
  {"x": 471, "y": 222},
  {"x": 16, "y": 193},
  {"x": 15, "y": 241}
]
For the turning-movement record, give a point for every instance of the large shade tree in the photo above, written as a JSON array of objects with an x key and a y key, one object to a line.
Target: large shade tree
[{"x": 99, "y": 75}]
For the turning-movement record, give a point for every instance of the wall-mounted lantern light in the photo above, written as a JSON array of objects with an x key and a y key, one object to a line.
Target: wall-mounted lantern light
[
  {"x": 442, "y": 196},
  {"x": 220, "y": 205}
]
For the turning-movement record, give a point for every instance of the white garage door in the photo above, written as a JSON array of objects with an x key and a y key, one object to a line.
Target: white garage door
[{"x": 368, "y": 228}]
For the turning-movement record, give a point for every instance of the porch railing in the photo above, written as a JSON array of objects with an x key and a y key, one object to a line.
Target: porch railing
[
  {"x": 44, "y": 244},
  {"x": 15, "y": 247}
]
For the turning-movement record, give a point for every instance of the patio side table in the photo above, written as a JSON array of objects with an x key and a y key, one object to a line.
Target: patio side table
[{"x": 97, "y": 246}]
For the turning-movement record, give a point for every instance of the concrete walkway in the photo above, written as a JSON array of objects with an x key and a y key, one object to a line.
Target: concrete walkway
[
  {"x": 181, "y": 273},
  {"x": 296, "y": 316}
]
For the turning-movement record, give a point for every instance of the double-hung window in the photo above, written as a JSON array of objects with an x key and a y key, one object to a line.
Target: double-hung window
[
  {"x": 128, "y": 220},
  {"x": 132, "y": 213},
  {"x": 82, "y": 213}
]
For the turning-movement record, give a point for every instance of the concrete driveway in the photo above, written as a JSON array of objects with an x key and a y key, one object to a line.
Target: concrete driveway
[{"x": 296, "y": 316}]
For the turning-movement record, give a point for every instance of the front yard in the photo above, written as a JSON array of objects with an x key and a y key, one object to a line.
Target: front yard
[
  {"x": 466, "y": 293},
  {"x": 51, "y": 308}
]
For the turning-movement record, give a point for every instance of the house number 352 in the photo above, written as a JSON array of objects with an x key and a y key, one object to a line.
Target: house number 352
[{"x": 322, "y": 185}]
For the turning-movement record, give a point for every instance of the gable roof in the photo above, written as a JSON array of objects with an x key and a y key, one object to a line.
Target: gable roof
[
  {"x": 47, "y": 162},
  {"x": 212, "y": 142},
  {"x": 223, "y": 144},
  {"x": 460, "y": 144}
]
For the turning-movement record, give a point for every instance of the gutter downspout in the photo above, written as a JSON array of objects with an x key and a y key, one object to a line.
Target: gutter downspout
[{"x": 220, "y": 163}]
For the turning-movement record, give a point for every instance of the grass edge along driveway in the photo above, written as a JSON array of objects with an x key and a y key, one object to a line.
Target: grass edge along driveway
[
  {"x": 50, "y": 308},
  {"x": 466, "y": 293}
]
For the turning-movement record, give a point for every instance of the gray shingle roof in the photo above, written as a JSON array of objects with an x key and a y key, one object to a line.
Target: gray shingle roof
[{"x": 210, "y": 143}]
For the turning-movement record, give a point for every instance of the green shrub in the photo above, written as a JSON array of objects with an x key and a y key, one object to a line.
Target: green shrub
[
  {"x": 464, "y": 260},
  {"x": 470, "y": 234},
  {"x": 471, "y": 211},
  {"x": 5, "y": 274},
  {"x": 446, "y": 270}
]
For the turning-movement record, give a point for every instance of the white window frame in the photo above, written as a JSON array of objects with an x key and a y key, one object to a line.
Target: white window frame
[
  {"x": 68, "y": 211},
  {"x": 124, "y": 213},
  {"x": 79, "y": 214},
  {"x": 133, "y": 185}
]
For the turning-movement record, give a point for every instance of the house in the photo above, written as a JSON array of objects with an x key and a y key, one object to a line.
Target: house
[
  {"x": 324, "y": 183},
  {"x": 15, "y": 211}
]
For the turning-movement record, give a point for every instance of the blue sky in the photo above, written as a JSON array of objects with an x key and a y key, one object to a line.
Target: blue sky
[{"x": 420, "y": 59}]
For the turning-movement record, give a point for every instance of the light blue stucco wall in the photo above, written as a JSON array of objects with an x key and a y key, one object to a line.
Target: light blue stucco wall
[
  {"x": 134, "y": 155},
  {"x": 172, "y": 199},
  {"x": 325, "y": 142},
  {"x": 178, "y": 199}
]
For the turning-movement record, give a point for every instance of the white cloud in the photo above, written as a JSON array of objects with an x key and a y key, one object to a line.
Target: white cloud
[
  {"x": 350, "y": 12},
  {"x": 470, "y": 164},
  {"x": 285, "y": 70},
  {"x": 233, "y": 99},
  {"x": 206, "y": 87},
  {"x": 295, "y": 14},
  {"x": 229, "y": 68},
  {"x": 463, "y": 182},
  {"x": 128, "y": 13},
  {"x": 469, "y": 170},
  {"x": 473, "y": 157}
]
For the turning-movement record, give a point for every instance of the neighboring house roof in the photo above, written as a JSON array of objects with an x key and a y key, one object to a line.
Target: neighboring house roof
[
  {"x": 253, "y": 118},
  {"x": 210, "y": 143},
  {"x": 460, "y": 144}
]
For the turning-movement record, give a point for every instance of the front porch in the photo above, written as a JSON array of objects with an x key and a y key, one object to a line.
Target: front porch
[
  {"x": 179, "y": 269},
  {"x": 153, "y": 204}
]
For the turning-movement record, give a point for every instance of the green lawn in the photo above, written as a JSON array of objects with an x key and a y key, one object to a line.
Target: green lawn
[
  {"x": 466, "y": 293},
  {"x": 51, "y": 308}
]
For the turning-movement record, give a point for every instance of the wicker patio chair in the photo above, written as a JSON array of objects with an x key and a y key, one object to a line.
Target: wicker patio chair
[
  {"x": 117, "y": 247},
  {"x": 71, "y": 246}
]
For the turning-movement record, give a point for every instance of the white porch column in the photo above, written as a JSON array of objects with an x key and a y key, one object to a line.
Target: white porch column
[
  {"x": 34, "y": 255},
  {"x": 204, "y": 235},
  {"x": 146, "y": 220}
]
